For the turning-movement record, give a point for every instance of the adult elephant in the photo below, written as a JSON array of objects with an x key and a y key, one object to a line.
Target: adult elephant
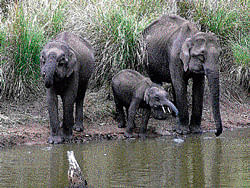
[
  {"x": 67, "y": 63},
  {"x": 175, "y": 51}
]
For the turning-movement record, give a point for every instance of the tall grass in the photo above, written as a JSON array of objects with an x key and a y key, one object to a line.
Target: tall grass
[
  {"x": 28, "y": 26},
  {"x": 114, "y": 29}
]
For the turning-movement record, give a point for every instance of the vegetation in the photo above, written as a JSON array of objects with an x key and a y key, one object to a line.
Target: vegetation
[
  {"x": 24, "y": 31},
  {"x": 113, "y": 27}
]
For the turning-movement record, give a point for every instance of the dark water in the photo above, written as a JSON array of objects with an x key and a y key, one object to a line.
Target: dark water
[{"x": 194, "y": 161}]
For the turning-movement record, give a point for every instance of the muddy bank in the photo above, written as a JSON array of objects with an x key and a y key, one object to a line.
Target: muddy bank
[{"x": 27, "y": 122}]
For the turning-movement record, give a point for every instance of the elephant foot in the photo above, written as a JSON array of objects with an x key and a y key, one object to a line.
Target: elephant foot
[
  {"x": 55, "y": 140},
  {"x": 78, "y": 127},
  {"x": 182, "y": 130},
  {"x": 67, "y": 134},
  {"x": 195, "y": 129},
  {"x": 218, "y": 131},
  {"x": 121, "y": 125}
]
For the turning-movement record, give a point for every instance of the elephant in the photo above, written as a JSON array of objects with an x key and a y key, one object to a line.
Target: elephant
[
  {"x": 66, "y": 63},
  {"x": 175, "y": 51},
  {"x": 133, "y": 91}
]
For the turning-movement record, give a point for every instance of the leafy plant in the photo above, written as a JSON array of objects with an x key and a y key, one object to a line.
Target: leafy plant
[{"x": 24, "y": 33}]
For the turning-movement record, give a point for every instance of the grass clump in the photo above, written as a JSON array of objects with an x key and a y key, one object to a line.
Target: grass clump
[
  {"x": 23, "y": 33},
  {"x": 114, "y": 28},
  {"x": 241, "y": 54}
]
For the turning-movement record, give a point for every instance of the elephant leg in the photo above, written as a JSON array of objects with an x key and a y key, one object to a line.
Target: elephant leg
[
  {"x": 52, "y": 101},
  {"x": 131, "y": 117},
  {"x": 180, "y": 88},
  {"x": 144, "y": 123},
  {"x": 127, "y": 118},
  {"x": 120, "y": 113},
  {"x": 78, "y": 126},
  {"x": 197, "y": 104},
  {"x": 68, "y": 119}
]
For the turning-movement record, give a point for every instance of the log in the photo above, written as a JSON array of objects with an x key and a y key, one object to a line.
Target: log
[{"x": 74, "y": 173}]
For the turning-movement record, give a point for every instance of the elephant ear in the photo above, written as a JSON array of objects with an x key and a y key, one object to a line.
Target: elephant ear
[
  {"x": 71, "y": 59},
  {"x": 185, "y": 53}
]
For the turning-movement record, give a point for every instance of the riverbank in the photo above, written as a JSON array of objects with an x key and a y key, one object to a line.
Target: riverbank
[{"x": 27, "y": 122}]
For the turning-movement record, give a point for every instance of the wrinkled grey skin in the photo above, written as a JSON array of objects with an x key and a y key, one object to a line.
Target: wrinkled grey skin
[
  {"x": 133, "y": 91},
  {"x": 66, "y": 66},
  {"x": 176, "y": 51}
]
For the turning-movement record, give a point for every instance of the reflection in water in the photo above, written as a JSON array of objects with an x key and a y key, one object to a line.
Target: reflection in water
[
  {"x": 190, "y": 163},
  {"x": 199, "y": 161},
  {"x": 217, "y": 160}
]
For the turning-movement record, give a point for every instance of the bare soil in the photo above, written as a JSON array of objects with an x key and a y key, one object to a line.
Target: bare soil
[{"x": 27, "y": 123}]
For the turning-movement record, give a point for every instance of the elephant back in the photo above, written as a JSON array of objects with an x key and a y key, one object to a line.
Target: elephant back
[
  {"x": 161, "y": 30},
  {"x": 83, "y": 51}
]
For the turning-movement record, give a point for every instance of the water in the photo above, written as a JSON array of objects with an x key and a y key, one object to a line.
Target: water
[{"x": 194, "y": 161}]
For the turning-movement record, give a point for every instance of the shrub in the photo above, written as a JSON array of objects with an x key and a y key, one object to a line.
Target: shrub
[
  {"x": 114, "y": 28},
  {"x": 26, "y": 29},
  {"x": 240, "y": 50}
]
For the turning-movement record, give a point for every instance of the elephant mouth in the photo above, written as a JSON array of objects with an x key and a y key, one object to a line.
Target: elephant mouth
[{"x": 161, "y": 112}]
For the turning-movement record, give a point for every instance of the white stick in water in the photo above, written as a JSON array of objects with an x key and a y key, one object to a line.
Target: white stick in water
[{"x": 74, "y": 172}]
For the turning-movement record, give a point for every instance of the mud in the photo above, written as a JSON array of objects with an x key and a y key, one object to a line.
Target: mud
[{"x": 27, "y": 122}]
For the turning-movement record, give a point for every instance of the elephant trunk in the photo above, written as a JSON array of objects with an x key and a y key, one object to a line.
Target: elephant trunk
[
  {"x": 48, "y": 73},
  {"x": 214, "y": 87},
  {"x": 172, "y": 106}
]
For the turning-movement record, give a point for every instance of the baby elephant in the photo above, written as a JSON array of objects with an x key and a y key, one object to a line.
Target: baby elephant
[
  {"x": 132, "y": 91},
  {"x": 66, "y": 66}
]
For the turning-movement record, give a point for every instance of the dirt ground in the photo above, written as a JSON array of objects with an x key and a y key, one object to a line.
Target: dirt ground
[{"x": 27, "y": 122}]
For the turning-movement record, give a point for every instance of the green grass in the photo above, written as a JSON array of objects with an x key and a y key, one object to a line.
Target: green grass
[
  {"x": 27, "y": 42},
  {"x": 23, "y": 34},
  {"x": 241, "y": 51},
  {"x": 114, "y": 29}
]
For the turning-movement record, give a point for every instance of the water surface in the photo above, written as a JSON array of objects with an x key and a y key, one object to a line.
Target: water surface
[{"x": 192, "y": 161}]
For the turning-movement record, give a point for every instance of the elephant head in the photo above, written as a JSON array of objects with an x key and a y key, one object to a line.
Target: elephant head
[
  {"x": 200, "y": 55},
  {"x": 157, "y": 99},
  {"x": 57, "y": 62}
]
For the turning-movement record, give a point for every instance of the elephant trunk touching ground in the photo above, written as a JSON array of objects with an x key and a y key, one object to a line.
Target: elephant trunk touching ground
[
  {"x": 211, "y": 69},
  {"x": 213, "y": 83},
  {"x": 214, "y": 87}
]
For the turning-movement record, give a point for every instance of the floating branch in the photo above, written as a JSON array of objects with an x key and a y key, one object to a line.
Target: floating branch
[{"x": 74, "y": 173}]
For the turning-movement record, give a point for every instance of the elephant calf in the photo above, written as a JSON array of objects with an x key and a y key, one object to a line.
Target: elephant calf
[
  {"x": 132, "y": 91},
  {"x": 67, "y": 63}
]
